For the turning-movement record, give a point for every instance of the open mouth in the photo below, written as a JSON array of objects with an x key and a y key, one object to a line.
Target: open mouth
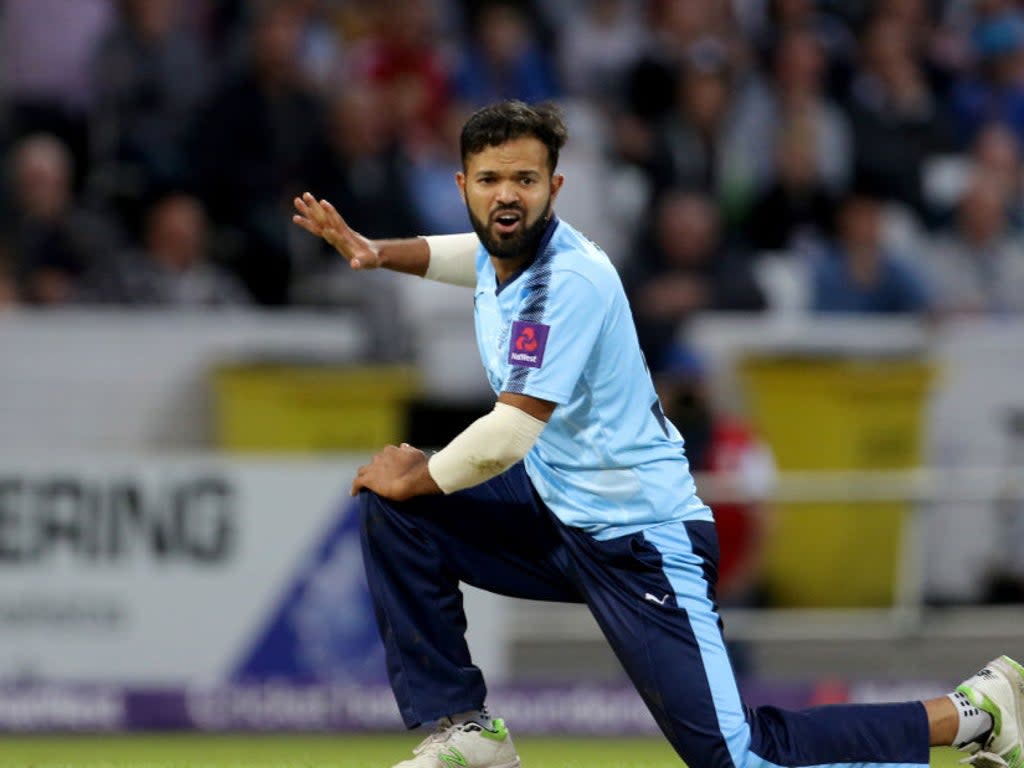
[{"x": 506, "y": 222}]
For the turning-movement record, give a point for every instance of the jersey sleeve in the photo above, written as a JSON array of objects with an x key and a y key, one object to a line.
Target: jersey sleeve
[{"x": 553, "y": 337}]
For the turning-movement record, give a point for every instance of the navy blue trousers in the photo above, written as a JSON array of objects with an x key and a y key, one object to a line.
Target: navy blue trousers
[{"x": 652, "y": 594}]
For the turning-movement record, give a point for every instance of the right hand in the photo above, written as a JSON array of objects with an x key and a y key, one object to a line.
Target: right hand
[
  {"x": 319, "y": 218},
  {"x": 396, "y": 473}
]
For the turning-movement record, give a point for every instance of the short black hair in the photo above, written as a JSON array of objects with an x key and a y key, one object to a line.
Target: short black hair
[{"x": 504, "y": 121}]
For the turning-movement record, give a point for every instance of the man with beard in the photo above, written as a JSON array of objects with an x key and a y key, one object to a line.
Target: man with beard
[{"x": 576, "y": 488}]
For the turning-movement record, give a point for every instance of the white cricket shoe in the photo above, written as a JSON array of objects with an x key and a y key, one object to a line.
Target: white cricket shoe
[
  {"x": 999, "y": 690},
  {"x": 466, "y": 745}
]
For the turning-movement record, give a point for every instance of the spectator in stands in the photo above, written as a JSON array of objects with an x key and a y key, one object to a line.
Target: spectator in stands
[
  {"x": 793, "y": 93},
  {"x": 688, "y": 148},
  {"x": 363, "y": 167},
  {"x": 50, "y": 239},
  {"x": 504, "y": 60},
  {"x": 597, "y": 48},
  {"x": 897, "y": 123},
  {"x": 45, "y": 48},
  {"x": 977, "y": 266},
  {"x": 996, "y": 155},
  {"x": 995, "y": 90},
  {"x": 323, "y": 47},
  {"x": 676, "y": 29},
  {"x": 684, "y": 267},
  {"x": 858, "y": 273},
  {"x": 150, "y": 75},
  {"x": 403, "y": 56},
  {"x": 795, "y": 212},
  {"x": 834, "y": 37},
  {"x": 173, "y": 268},
  {"x": 941, "y": 51},
  {"x": 433, "y": 165},
  {"x": 255, "y": 145}
]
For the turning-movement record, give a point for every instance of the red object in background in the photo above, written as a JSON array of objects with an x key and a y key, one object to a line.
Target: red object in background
[
  {"x": 728, "y": 451},
  {"x": 415, "y": 75},
  {"x": 830, "y": 692}
]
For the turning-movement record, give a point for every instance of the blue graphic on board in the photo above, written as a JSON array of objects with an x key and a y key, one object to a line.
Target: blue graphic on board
[{"x": 323, "y": 629}]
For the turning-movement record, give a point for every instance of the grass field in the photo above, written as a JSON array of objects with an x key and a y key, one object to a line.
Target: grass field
[{"x": 279, "y": 751}]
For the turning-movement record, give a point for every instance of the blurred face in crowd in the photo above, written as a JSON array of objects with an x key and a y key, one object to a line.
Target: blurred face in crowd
[
  {"x": 509, "y": 191},
  {"x": 889, "y": 53},
  {"x": 687, "y": 229},
  {"x": 860, "y": 224},
  {"x": 683, "y": 20},
  {"x": 503, "y": 34},
  {"x": 705, "y": 96},
  {"x": 409, "y": 23},
  {"x": 997, "y": 155},
  {"x": 176, "y": 233},
  {"x": 797, "y": 162},
  {"x": 360, "y": 121},
  {"x": 996, "y": 146},
  {"x": 799, "y": 64},
  {"x": 42, "y": 177},
  {"x": 1008, "y": 68},
  {"x": 860, "y": 230},
  {"x": 154, "y": 19},
  {"x": 791, "y": 12},
  {"x": 276, "y": 42},
  {"x": 982, "y": 216},
  {"x": 911, "y": 13}
]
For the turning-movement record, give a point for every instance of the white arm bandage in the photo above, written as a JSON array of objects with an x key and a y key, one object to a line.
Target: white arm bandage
[
  {"x": 485, "y": 448},
  {"x": 452, "y": 259}
]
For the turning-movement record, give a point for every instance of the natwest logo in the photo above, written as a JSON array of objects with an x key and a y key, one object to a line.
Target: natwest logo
[
  {"x": 526, "y": 341},
  {"x": 526, "y": 344}
]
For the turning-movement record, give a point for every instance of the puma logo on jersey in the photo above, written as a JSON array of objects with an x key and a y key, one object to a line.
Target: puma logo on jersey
[{"x": 653, "y": 599}]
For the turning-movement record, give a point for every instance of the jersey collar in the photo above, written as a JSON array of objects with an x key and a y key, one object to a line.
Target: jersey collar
[{"x": 549, "y": 231}]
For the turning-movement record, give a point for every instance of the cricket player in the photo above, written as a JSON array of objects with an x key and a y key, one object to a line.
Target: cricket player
[{"x": 576, "y": 488}]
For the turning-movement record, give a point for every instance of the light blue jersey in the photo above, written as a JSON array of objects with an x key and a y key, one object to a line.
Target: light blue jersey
[{"x": 608, "y": 461}]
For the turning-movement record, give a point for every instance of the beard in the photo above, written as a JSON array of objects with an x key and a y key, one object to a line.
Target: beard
[{"x": 515, "y": 245}]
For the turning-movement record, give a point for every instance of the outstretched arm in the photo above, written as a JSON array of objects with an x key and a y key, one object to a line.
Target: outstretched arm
[{"x": 444, "y": 258}]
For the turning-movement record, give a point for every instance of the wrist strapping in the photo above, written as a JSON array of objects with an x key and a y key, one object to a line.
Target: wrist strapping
[
  {"x": 486, "y": 448},
  {"x": 452, "y": 259}
]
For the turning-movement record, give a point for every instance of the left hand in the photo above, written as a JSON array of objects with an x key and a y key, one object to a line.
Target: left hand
[
  {"x": 397, "y": 473},
  {"x": 318, "y": 217}
]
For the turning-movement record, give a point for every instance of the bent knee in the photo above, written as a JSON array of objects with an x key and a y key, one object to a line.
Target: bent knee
[
  {"x": 370, "y": 504},
  {"x": 375, "y": 511}
]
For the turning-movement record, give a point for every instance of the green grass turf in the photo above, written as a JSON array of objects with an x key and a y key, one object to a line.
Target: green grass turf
[{"x": 307, "y": 751}]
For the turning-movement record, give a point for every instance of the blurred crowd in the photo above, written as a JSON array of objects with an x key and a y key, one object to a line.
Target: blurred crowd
[{"x": 812, "y": 155}]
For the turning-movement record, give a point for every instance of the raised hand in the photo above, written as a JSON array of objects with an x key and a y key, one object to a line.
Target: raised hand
[{"x": 319, "y": 218}]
